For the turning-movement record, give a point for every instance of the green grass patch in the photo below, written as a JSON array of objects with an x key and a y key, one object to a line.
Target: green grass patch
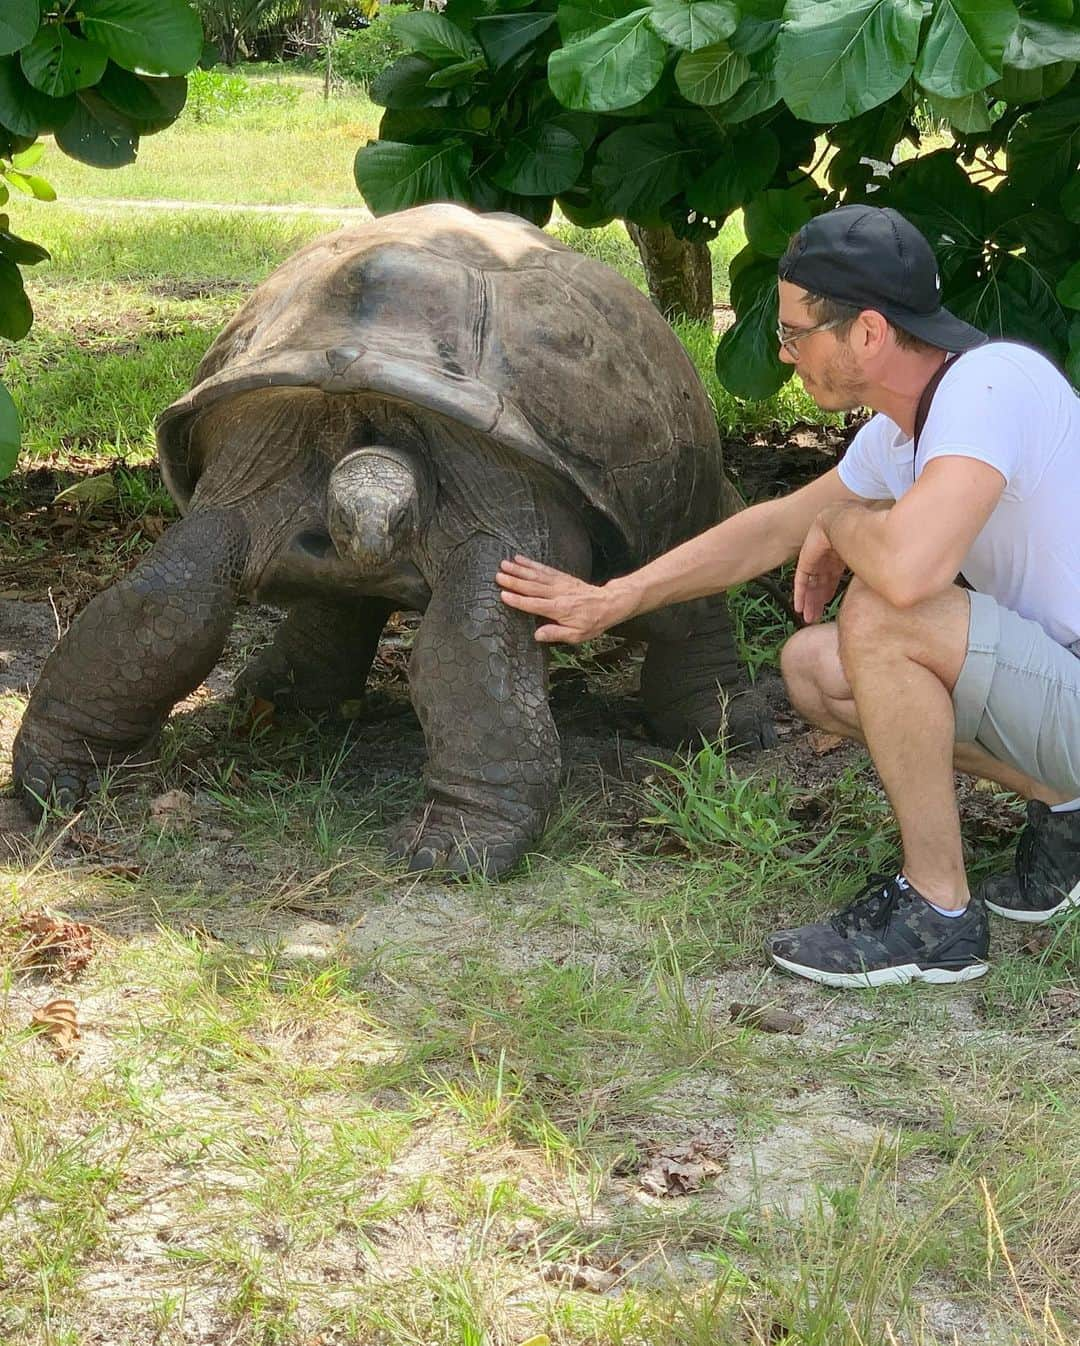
[{"x": 292, "y": 149}]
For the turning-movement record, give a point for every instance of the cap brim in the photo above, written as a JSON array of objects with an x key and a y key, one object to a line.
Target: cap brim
[{"x": 942, "y": 329}]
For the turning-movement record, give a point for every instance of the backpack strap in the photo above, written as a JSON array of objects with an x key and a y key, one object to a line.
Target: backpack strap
[{"x": 923, "y": 409}]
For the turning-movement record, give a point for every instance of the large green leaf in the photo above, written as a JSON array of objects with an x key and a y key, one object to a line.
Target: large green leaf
[
  {"x": 19, "y": 21},
  {"x": 98, "y": 134},
  {"x": 405, "y": 85},
  {"x": 58, "y": 63},
  {"x": 433, "y": 36},
  {"x": 503, "y": 36},
  {"x": 394, "y": 176},
  {"x": 20, "y": 250},
  {"x": 747, "y": 359},
  {"x": 712, "y": 75},
  {"x": 25, "y": 110},
  {"x": 1070, "y": 200},
  {"x": 1068, "y": 290},
  {"x": 743, "y": 169},
  {"x": 540, "y": 161},
  {"x": 1015, "y": 300},
  {"x": 771, "y": 218},
  {"x": 638, "y": 168},
  {"x": 837, "y": 58},
  {"x": 153, "y": 103},
  {"x": 16, "y": 315},
  {"x": 613, "y": 68},
  {"x": 9, "y": 433},
  {"x": 461, "y": 72},
  {"x": 154, "y": 37},
  {"x": 1033, "y": 86},
  {"x": 965, "y": 45},
  {"x": 1036, "y": 43},
  {"x": 693, "y": 24},
  {"x": 579, "y": 18},
  {"x": 1043, "y": 149},
  {"x": 970, "y": 114}
]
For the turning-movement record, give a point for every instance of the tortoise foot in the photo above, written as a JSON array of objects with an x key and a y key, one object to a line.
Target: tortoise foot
[
  {"x": 443, "y": 837},
  {"x": 62, "y": 789},
  {"x": 749, "y": 724}
]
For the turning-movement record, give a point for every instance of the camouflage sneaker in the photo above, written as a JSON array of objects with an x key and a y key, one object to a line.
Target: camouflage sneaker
[
  {"x": 887, "y": 937},
  {"x": 1046, "y": 874}
]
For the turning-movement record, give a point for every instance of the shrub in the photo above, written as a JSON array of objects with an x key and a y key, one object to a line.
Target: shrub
[
  {"x": 362, "y": 55},
  {"x": 215, "y": 95}
]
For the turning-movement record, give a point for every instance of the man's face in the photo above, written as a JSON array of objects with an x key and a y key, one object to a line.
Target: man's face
[{"x": 825, "y": 362}]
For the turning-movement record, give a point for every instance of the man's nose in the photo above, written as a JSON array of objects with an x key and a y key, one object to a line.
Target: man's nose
[{"x": 786, "y": 357}]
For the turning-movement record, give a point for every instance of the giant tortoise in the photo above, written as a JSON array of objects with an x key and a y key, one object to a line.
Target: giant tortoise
[{"x": 396, "y": 409}]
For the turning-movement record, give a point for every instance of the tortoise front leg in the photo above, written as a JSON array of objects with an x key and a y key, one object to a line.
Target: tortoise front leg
[
  {"x": 131, "y": 654},
  {"x": 478, "y": 681}
]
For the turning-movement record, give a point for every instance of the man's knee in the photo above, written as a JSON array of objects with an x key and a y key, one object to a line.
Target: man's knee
[{"x": 806, "y": 662}]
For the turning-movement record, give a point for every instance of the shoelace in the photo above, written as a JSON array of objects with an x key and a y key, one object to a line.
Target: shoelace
[{"x": 872, "y": 909}]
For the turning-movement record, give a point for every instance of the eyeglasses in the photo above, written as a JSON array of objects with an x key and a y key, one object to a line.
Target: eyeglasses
[{"x": 789, "y": 337}]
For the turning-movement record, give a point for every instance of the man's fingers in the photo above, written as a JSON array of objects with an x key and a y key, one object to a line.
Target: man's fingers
[
  {"x": 539, "y": 607},
  {"x": 518, "y": 584},
  {"x": 553, "y": 632}
]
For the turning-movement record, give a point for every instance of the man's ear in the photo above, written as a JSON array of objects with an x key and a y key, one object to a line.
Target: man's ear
[{"x": 872, "y": 330}]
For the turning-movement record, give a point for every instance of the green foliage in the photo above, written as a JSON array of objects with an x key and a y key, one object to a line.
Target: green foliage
[
  {"x": 363, "y": 55},
  {"x": 214, "y": 95},
  {"x": 680, "y": 112},
  {"x": 97, "y": 76}
]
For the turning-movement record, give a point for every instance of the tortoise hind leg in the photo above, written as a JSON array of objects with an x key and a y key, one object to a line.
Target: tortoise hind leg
[
  {"x": 693, "y": 682},
  {"x": 320, "y": 655},
  {"x": 132, "y": 653}
]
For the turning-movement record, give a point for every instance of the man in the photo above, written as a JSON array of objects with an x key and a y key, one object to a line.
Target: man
[{"x": 927, "y": 674}]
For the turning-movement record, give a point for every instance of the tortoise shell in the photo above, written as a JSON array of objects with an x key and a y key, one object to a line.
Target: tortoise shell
[{"x": 489, "y": 321}]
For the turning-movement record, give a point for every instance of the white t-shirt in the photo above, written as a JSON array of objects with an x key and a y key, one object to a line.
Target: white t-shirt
[{"x": 1008, "y": 406}]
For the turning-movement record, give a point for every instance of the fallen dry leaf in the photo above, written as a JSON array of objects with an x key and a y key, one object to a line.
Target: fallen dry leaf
[
  {"x": 767, "y": 1018},
  {"x": 683, "y": 1169},
  {"x": 822, "y": 742},
  {"x": 65, "y": 947},
  {"x": 1038, "y": 943},
  {"x": 172, "y": 806},
  {"x": 579, "y": 1277},
  {"x": 59, "y": 1021}
]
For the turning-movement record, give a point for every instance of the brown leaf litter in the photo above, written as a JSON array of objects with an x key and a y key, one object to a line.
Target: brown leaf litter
[
  {"x": 58, "y": 1020},
  {"x": 51, "y": 943},
  {"x": 683, "y": 1169}
]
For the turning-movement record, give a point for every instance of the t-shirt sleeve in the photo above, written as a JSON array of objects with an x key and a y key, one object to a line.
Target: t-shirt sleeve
[
  {"x": 986, "y": 408},
  {"x": 860, "y": 468}
]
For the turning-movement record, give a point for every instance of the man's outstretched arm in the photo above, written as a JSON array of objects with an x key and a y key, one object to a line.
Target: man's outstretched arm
[{"x": 741, "y": 547}]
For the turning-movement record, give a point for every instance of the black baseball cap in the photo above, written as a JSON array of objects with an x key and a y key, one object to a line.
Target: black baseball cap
[{"x": 872, "y": 257}]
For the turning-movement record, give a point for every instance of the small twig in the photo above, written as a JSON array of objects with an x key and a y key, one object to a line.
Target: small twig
[{"x": 56, "y": 616}]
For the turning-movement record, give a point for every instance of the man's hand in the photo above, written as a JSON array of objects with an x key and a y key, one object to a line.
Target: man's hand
[
  {"x": 575, "y": 611},
  {"x": 817, "y": 574}
]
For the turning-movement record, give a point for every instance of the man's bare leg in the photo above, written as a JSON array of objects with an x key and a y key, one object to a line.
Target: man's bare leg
[{"x": 885, "y": 676}]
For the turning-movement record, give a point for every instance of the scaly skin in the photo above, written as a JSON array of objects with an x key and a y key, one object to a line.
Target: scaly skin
[
  {"x": 693, "y": 683},
  {"x": 320, "y": 655},
  {"x": 129, "y": 657},
  {"x": 478, "y": 681}
]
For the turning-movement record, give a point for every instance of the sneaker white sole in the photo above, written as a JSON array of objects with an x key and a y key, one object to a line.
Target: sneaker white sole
[
  {"x": 1036, "y": 917},
  {"x": 884, "y": 976}
]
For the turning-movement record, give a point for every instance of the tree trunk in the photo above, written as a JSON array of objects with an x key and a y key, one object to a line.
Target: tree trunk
[{"x": 679, "y": 273}]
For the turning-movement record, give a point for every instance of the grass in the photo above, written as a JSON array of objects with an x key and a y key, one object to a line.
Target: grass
[{"x": 318, "y": 1099}]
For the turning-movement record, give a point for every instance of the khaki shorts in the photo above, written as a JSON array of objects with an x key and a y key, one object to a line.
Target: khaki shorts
[{"x": 1018, "y": 696}]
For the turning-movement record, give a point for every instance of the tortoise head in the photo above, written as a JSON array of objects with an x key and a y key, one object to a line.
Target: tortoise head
[{"x": 377, "y": 504}]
